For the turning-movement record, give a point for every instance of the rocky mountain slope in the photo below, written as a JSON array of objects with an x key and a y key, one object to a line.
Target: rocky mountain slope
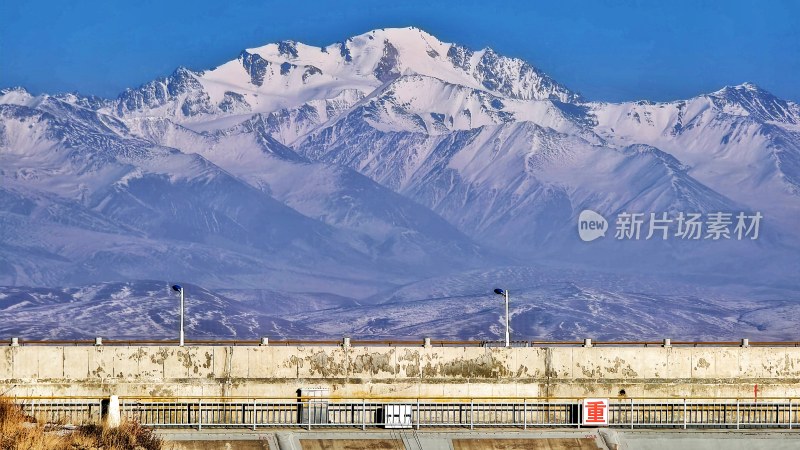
[{"x": 352, "y": 170}]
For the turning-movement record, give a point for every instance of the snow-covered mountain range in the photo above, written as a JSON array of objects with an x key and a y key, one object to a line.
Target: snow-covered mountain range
[{"x": 338, "y": 176}]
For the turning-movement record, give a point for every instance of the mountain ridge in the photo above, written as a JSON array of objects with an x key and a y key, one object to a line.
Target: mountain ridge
[{"x": 379, "y": 162}]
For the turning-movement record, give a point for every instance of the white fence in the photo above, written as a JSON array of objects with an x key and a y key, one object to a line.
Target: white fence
[{"x": 425, "y": 412}]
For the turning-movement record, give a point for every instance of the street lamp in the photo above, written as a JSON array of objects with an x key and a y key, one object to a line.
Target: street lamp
[
  {"x": 178, "y": 288},
  {"x": 505, "y": 293}
]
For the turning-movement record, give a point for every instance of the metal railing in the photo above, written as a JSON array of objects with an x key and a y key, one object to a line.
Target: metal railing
[
  {"x": 409, "y": 343},
  {"x": 471, "y": 413},
  {"x": 62, "y": 411}
]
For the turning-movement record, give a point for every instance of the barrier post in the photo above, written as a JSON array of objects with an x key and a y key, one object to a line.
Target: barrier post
[
  {"x": 471, "y": 412},
  {"x": 525, "y": 414},
  {"x": 419, "y": 414},
  {"x": 113, "y": 419},
  {"x": 685, "y": 418},
  {"x": 737, "y": 413},
  {"x": 631, "y": 413}
]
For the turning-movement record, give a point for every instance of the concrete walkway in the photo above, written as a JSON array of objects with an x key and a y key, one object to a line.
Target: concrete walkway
[{"x": 544, "y": 439}]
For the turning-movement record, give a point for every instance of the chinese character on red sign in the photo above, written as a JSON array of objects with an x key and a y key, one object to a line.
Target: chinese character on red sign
[{"x": 595, "y": 411}]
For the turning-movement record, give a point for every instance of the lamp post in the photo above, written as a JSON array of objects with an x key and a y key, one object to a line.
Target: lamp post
[
  {"x": 505, "y": 294},
  {"x": 178, "y": 288}
]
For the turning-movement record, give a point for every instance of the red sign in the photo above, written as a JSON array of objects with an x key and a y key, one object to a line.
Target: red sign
[{"x": 595, "y": 411}]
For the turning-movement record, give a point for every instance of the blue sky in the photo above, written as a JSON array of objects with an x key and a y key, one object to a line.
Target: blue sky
[{"x": 621, "y": 50}]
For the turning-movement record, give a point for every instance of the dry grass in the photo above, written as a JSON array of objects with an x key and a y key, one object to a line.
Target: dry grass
[{"x": 19, "y": 432}]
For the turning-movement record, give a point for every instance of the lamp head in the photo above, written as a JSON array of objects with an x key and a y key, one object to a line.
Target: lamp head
[
  {"x": 499, "y": 292},
  {"x": 177, "y": 288}
]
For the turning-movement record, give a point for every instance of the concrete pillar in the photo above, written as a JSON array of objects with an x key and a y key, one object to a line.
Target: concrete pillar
[
  {"x": 15, "y": 342},
  {"x": 667, "y": 343},
  {"x": 114, "y": 417},
  {"x": 98, "y": 341},
  {"x": 346, "y": 342},
  {"x": 285, "y": 440},
  {"x": 427, "y": 342},
  {"x": 745, "y": 342},
  {"x": 587, "y": 342},
  {"x": 264, "y": 341}
]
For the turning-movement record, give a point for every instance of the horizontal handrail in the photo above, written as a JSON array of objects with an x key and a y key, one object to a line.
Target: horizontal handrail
[
  {"x": 402, "y": 398},
  {"x": 406, "y": 343}
]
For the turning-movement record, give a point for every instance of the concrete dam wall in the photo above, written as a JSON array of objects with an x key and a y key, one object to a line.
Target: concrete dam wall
[{"x": 400, "y": 371}]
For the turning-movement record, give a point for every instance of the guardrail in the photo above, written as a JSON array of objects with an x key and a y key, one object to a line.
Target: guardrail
[
  {"x": 318, "y": 412},
  {"x": 75, "y": 411},
  {"x": 408, "y": 343}
]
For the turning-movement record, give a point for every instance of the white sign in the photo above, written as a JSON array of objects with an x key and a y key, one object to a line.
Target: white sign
[
  {"x": 397, "y": 416},
  {"x": 595, "y": 411}
]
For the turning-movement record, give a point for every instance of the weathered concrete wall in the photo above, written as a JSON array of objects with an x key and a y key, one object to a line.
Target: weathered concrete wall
[{"x": 279, "y": 371}]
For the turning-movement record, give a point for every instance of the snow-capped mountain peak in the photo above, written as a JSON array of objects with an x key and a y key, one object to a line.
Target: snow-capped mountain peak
[
  {"x": 748, "y": 99},
  {"x": 288, "y": 74},
  {"x": 16, "y": 96},
  {"x": 747, "y": 86}
]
